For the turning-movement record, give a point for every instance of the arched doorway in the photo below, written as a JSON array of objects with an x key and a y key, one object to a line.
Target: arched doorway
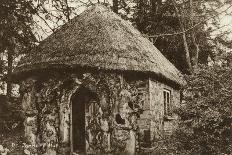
[{"x": 84, "y": 105}]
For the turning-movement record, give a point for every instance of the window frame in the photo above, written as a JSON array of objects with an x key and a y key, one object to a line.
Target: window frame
[{"x": 167, "y": 101}]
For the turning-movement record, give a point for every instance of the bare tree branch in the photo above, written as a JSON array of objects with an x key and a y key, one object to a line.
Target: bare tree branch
[{"x": 191, "y": 28}]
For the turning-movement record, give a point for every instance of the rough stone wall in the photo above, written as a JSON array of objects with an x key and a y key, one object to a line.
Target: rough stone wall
[
  {"x": 159, "y": 125},
  {"x": 47, "y": 103},
  {"x": 142, "y": 90},
  {"x": 40, "y": 101}
]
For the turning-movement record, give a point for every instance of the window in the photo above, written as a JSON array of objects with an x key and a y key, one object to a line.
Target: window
[{"x": 167, "y": 101}]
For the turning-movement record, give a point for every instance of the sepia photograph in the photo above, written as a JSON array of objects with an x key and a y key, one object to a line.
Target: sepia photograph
[{"x": 115, "y": 77}]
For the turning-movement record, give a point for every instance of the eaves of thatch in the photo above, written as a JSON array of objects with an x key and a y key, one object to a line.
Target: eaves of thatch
[{"x": 98, "y": 38}]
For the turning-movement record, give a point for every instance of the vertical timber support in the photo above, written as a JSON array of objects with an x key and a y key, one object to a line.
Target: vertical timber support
[
  {"x": 31, "y": 114},
  {"x": 131, "y": 142},
  {"x": 66, "y": 121}
]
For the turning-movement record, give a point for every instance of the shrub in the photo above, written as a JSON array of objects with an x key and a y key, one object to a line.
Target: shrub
[{"x": 206, "y": 114}]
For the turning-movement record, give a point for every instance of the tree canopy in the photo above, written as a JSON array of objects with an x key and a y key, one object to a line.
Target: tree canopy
[{"x": 15, "y": 33}]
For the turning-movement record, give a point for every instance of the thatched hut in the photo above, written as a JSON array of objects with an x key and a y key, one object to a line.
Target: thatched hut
[{"x": 96, "y": 86}]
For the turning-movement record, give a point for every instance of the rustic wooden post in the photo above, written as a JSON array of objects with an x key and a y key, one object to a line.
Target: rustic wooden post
[
  {"x": 66, "y": 120},
  {"x": 31, "y": 114},
  {"x": 130, "y": 144}
]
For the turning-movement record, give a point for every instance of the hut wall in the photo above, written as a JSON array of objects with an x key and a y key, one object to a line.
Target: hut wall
[
  {"x": 47, "y": 108},
  {"x": 162, "y": 124},
  {"x": 141, "y": 86},
  {"x": 41, "y": 105},
  {"x": 125, "y": 106}
]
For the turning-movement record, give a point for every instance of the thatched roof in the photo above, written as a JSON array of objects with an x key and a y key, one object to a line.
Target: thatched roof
[{"x": 100, "y": 39}]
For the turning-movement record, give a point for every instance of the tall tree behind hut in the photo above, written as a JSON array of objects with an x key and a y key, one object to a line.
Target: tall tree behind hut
[
  {"x": 181, "y": 23},
  {"x": 15, "y": 34},
  {"x": 158, "y": 18},
  {"x": 193, "y": 36},
  {"x": 179, "y": 29}
]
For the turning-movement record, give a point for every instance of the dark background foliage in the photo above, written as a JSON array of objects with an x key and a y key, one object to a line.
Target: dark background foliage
[{"x": 206, "y": 116}]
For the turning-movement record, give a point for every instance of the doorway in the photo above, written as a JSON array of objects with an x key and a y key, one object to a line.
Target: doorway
[{"x": 81, "y": 103}]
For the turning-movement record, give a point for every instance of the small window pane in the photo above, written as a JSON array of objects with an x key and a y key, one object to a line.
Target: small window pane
[
  {"x": 164, "y": 96},
  {"x": 168, "y": 97},
  {"x": 167, "y": 100}
]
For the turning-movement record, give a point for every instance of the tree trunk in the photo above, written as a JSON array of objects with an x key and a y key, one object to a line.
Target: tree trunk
[
  {"x": 10, "y": 54},
  {"x": 141, "y": 16},
  {"x": 186, "y": 53},
  {"x": 185, "y": 44},
  {"x": 67, "y": 9},
  {"x": 195, "y": 51},
  {"x": 115, "y": 6},
  {"x": 9, "y": 71},
  {"x": 155, "y": 6}
]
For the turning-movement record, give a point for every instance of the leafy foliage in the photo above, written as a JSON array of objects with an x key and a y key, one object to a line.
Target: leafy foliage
[
  {"x": 159, "y": 19},
  {"x": 15, "y": 22},
  {"x": 15, "y": 34},
  {"x": 206, "y": 116}
]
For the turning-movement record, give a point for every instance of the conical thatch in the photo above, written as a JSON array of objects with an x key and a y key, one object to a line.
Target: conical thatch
[{"x": 100, "y": 39}]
